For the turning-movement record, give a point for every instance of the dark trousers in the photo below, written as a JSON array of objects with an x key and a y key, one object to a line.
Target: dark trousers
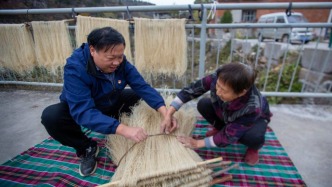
[
  {"x": 61, "y": 126},
  {"x": 254, "y": 138}
]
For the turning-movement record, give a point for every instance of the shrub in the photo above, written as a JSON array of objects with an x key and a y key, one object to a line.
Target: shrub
[
  {"x": 227, "y": 18},
  {"x": 284, "y": 83}
]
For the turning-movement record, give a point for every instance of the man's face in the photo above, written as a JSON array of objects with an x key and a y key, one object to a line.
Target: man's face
[{"x": 108, "y": 61}]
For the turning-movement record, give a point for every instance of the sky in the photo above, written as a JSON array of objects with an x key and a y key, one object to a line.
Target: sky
[{"x": 171, "y": 2}]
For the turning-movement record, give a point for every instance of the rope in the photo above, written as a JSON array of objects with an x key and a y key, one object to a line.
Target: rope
[
  {"x": 73, "y": 13},
  {"x": 27, "y": 14},
  {"x": 128, "y": 13},
  {"x": 200, "y": 15},
  {"x": 289, "y": 10},
  {"x": 213, "y": 10},
  {"x": 161, "y": 134},
  {"x": 190, "y": 12}
]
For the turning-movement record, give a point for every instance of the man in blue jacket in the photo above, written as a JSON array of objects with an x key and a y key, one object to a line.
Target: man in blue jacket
[{"x": 94, "y": 96}]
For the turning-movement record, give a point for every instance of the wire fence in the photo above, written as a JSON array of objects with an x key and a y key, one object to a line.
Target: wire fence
[{"x": 287, "y": 67}]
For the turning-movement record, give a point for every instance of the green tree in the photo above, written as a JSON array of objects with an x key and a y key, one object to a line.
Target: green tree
[{"x": 227, "y": 17}]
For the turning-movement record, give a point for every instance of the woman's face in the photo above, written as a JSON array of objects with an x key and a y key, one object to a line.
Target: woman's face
[
  {"x": 226, "y": 93},
  {"x": 108, "y": 61}
]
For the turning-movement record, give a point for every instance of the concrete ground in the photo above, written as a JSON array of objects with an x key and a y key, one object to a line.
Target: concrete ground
[{"x": 304, "y": 131}]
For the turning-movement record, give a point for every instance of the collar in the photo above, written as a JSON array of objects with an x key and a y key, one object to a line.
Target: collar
[
  {"x": 240, "y": 102},
  {"x": 91, "y": 67}
]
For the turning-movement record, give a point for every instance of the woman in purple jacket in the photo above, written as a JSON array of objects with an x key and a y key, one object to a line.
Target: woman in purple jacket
[
  {"x": 94, "y": 96},
  {"x": 235, "y": 108}
]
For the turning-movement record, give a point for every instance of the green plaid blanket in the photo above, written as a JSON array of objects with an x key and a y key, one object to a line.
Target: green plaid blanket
[{"x": 51, "y": 164}]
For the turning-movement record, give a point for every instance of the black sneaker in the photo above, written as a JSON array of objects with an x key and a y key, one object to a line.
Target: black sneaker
[{"x": 88, "y": 163}]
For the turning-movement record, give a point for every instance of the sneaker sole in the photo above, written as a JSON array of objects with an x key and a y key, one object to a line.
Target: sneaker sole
[{"x": 94, "y": 169}]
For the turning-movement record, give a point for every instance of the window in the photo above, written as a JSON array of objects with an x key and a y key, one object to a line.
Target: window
[
  {"x": 270, "y": 20},
  {"x": 248, "y": 15},
  {"x": 280, "y": 20},
  {"x": 297, "y": 19},
  {"x": 262, "y": 20}
]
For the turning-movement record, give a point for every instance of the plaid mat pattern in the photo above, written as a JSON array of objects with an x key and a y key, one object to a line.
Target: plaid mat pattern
[
  {"x": 51, "y": 164},
  {"x": 274, "y": 169}
]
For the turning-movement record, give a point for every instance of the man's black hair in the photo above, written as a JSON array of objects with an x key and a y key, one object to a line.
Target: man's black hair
[{"x": 105, "y": 38}]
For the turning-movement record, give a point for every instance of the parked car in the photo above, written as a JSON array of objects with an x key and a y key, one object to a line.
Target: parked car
[{"x": 285, "y": 34}]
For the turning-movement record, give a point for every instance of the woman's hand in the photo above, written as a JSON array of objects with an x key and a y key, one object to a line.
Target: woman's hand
[{"x": 191, "y": 142}]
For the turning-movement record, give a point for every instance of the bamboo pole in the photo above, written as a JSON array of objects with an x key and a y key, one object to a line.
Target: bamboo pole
[
  {"x": 224, "y": 170},
  {"x": 221, "y": 164},
  {"x": 209, "y": 161},
  {"x": 221, "y": 180}
]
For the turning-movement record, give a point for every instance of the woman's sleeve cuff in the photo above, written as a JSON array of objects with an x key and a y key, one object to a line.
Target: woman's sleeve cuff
[
  {"x": 209, "y": 142},
  {"x": 177, "y": 103}
]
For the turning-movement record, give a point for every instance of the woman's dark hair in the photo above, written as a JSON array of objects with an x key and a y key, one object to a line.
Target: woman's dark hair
[
  {"x": 105, "y": 38},
  {"x": 236, "y": 75}
]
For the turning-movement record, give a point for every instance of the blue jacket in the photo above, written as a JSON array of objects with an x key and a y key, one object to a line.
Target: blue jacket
[{"x": 87, "y": 90}]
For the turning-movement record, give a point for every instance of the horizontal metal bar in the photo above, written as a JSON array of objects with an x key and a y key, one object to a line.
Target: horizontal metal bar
[
  {"x": 154, "y": 8},
  {"x": 262, "y": 25},
  {"x": 254, "y": 25},
  {"x": 268, "y": 94},
  {"x": 297, "y": 94},
  {"x": 22, "y": 83}
]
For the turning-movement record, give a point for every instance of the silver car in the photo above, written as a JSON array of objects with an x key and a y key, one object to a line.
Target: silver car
[{"x": 285, "y": 34}]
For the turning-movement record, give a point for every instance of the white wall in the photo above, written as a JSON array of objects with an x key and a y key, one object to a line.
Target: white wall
[{"x": 237, "y": 14}]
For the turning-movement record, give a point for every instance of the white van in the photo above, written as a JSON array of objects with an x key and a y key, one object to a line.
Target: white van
[{"x": 284, "y": 34}]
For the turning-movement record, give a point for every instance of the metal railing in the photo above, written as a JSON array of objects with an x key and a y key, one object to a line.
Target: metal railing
[{"x": 318, "y": 89}]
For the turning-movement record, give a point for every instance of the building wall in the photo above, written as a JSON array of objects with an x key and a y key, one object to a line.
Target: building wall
[
  {"x": 313, "y": 15},
  {"x": 236, "y": 15}
]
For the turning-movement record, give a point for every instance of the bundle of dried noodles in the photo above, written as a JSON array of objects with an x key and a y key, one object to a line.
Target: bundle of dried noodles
[
  {"x": 52, "y": 44},
  {"x": 160, "y": 160},
  {"x": 17, "y": 51},
  {"x": 160, "y": 46}
]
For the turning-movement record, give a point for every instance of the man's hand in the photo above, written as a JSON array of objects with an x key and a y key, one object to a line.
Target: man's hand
[
  {"x": 136, "y": 134},
  {"x": 191, "y": 142},
  {"x": 168, "y": 125}
]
